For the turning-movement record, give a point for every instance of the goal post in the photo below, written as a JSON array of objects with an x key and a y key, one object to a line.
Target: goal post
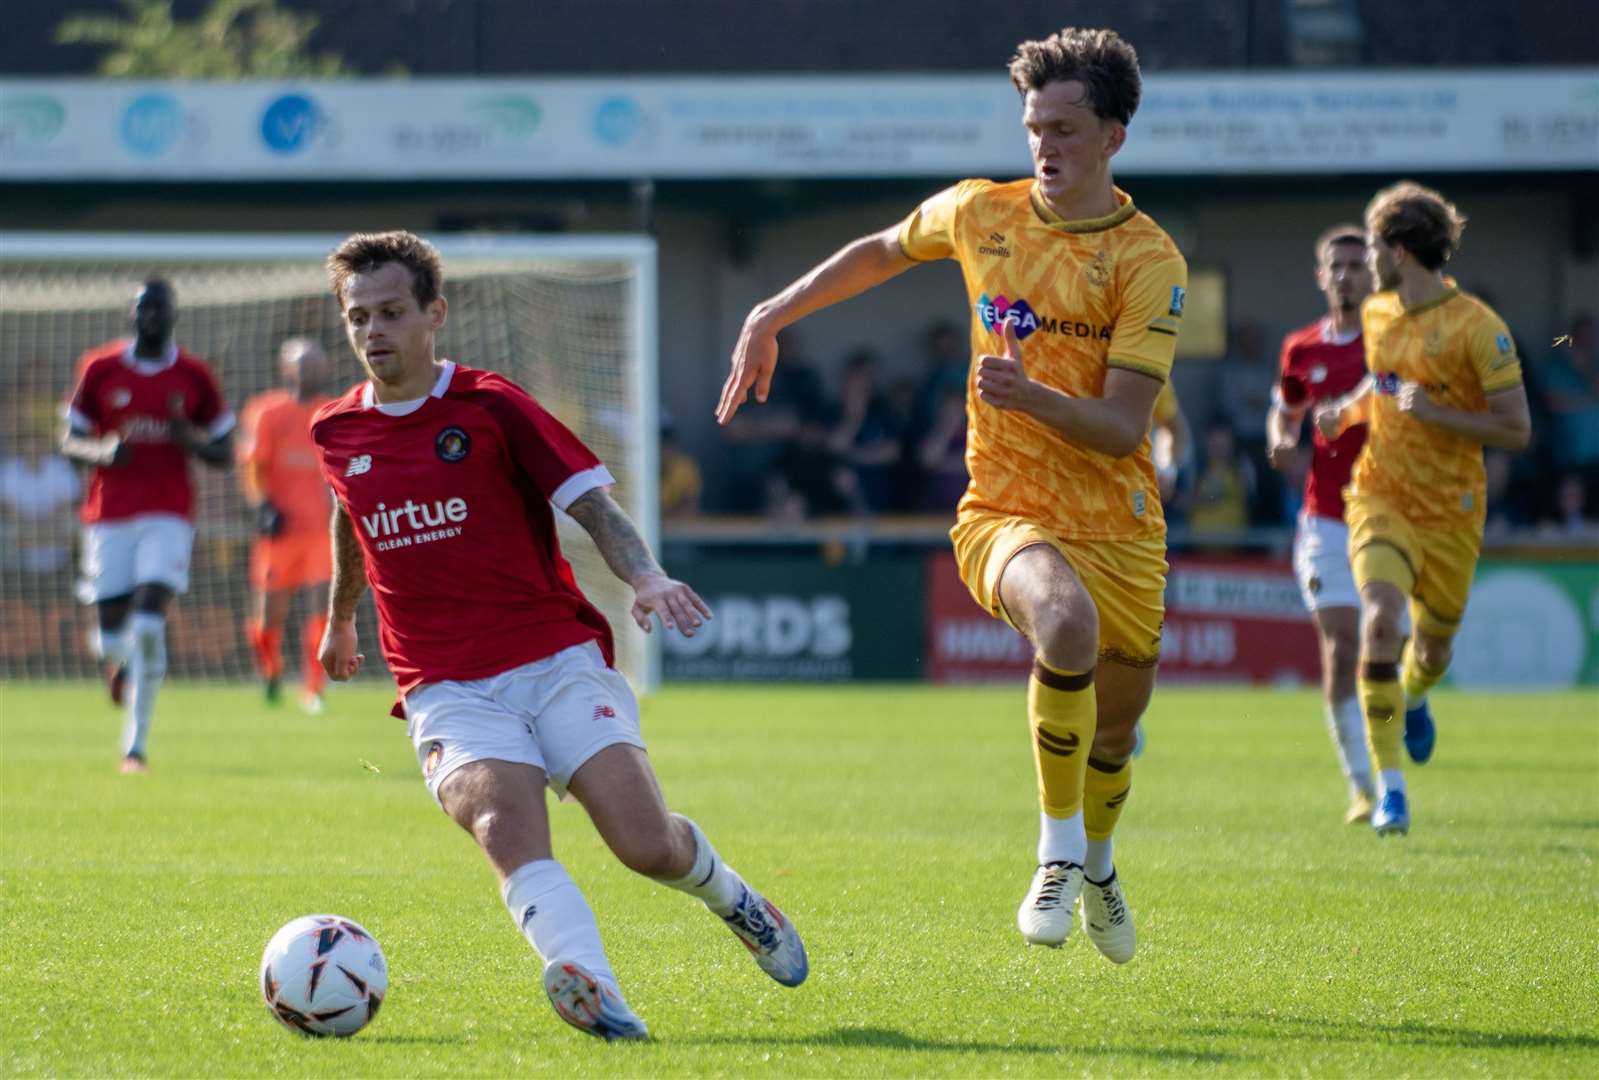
[{"x": 571, "y": 318}]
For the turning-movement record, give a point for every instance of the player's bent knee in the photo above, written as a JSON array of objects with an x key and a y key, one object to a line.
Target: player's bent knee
[
  {"x": 1068, "y": 636},
  {"x": 653, "y": 851}
]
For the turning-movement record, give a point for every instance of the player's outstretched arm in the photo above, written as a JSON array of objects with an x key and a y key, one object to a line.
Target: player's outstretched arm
[
  {"x": 629, "y": 558},
  {"x": 1114, "y": 424},
  {"x": 1283, "y": 422},
  {"x": 338, "y": 652},
  {"x": 1507, "y": 425},
  {"x": 851, "y": 270}
]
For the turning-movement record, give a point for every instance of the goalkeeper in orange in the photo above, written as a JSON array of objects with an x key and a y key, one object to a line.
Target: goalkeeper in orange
[
  {"x": 1076, "y": 297},
  {"x": 282, "y": 478},
  {"x": 1443, "y": 381}
]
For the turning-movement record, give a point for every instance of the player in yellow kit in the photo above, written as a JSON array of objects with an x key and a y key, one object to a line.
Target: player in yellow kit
[
  {"x": 1443, "y": 382},
  {"x": 1076, "y": 300}
]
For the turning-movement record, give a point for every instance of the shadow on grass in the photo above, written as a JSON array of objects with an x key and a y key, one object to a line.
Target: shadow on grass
[
  {"x": 876, "y": 1038},
  {"x": 1412, "y": 1033}
]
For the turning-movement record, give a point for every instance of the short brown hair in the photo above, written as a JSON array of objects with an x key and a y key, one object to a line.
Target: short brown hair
[
  {"x": 1417, "y": 219},
  {"x": 364, "y": 252},
  {"x": 1106, "y": 65},
  {"x": 1345, "y": 233}
]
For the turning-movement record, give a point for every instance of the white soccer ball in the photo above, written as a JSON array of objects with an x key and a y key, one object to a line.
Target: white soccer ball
[{"x": 324, "y": 975}]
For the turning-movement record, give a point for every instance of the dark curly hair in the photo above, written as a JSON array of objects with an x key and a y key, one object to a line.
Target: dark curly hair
[
  {"x": 1417, "y": 219},
  {"x": 364, "y": 252}
]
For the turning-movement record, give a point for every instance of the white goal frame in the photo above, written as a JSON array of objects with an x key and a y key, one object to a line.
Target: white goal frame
[{"x": 638, "y": 250}]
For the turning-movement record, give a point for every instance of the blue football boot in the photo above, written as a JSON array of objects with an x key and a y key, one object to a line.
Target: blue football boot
[{"x": 1392, "y": 816}]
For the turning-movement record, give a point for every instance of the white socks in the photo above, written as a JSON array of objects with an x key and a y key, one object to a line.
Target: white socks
[
  {"x": 112, "y": 645},
  {"x": 1390, "y": 780},
  {"x": 548, "y": 908},
  {"x": 147, "y": 666},
  {"x": 1061, "y": 839},
  {"x": 1098, "y": 866},
  {"x": 1347, "y": 727},
  {"x": 710, "y": 879}
]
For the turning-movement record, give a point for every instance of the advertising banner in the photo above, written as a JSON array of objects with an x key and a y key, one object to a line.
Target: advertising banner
[
  {"x": 394, "y": 129},
  {"x": 789, "y": 619},
  {"x": 1226, "y": 621},
  {"x": 1529, "y": 625}
]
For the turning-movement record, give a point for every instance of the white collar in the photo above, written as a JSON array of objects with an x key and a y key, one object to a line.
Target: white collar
[
  {"x": 1332, "y": 337},
  {"x": 144, "y": 363},
  {"x": 405, "y": 408}
]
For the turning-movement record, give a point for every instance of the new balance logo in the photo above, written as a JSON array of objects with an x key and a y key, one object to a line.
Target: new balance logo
[
  {"x": 360, "y": 463},
  {"x": 604, "y": 712},
  {"x": 1060, "y": 746}
]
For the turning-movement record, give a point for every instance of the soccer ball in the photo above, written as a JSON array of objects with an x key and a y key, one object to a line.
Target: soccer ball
[{"x": 323, "y": 975}]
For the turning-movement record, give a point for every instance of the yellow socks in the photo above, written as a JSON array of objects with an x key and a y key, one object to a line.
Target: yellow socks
[
  {"x": 1383, "y": 701},
  {"x": 1061, "y": 709},
  {"x": 1417, "y": 679},
  {"x": 1104, "y": 794}
]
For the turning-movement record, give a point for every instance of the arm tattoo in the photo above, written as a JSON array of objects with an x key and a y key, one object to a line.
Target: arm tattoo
[
  {"x": 619, "y": 542},
  {"x": 349, "y": 568}
]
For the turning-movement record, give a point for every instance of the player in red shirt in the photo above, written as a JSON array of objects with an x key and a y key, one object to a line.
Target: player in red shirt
[
  {"x": 282, "y": 477},
  {"x": 139, "y": 410},
  {"x": 447, "y": 480},
  {"x": 1321, "y": 362}
]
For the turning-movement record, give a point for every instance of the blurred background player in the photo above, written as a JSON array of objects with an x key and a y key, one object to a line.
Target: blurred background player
[
  {"x": 139, "y": 410},
  {"x": 1444, "y": 382},
  {"x": 282, "y": 480},
  {"x": 1076, "y": 297},
  {"x": 447, "y": 480},
  {"x": 1322, "y": 362}
]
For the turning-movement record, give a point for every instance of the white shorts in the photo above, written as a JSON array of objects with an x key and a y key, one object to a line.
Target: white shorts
[
  {"x": 553, "y": 714},
  {"x": 1321, "y": 563},
  {"x": 119, "y": 556}
]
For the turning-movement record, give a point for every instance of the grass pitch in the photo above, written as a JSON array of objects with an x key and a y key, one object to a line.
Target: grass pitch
[{"x": 895, "y": 826}]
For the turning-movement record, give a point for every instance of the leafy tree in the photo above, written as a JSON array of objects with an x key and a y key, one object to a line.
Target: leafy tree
[{"x": 233, "y": 39}]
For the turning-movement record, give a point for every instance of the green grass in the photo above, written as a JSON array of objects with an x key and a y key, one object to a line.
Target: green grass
[{"x": 896, "y": 827}]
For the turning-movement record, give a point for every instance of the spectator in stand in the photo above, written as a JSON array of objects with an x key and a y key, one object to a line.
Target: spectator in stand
[
  {"x": 1219, "y": 501},
  {"x": 681, "y": 484},
  {"x": 942, "y": 455},
  {"x": 1573, "y": 517},
  {"x": 864, "y": 439},
  {"x": 945, "y": 362},
  {"x": 1570, "y": 380},
  {"x": 1248, "y": 375},
  {"x": 1509, "y": 507},
  {"x": 780, "y": 449},
  {"x": 38, "y": 494}
]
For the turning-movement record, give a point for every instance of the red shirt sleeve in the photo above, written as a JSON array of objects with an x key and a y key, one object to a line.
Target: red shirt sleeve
[
  {"x": 208, "y": 405},
  {"x": 84, "y": 403},
  {"x": 540, "y": 445}
]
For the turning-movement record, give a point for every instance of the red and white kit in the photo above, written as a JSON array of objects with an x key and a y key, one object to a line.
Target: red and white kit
[
  {"x": 1317, "y": 366},
  {"x": 136, "y": 516},
  {"x": 496, "y": 652}
]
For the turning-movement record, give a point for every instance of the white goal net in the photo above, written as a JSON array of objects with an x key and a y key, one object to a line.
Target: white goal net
[{"x": 572, "y": 319}]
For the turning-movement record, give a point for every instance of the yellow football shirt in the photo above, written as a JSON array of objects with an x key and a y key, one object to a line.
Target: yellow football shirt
[
  {"x": 1087, "y": 296},
  {"x": 1461, "y": 352}
]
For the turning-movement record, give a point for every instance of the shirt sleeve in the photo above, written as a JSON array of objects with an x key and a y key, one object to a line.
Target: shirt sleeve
[
  {"x": 82, "y": 410},
  {"x": 929, "y": 232},
  {"x": 210, "y": 411},
  {"x": 1145, "y": 338},
  {"x": 1493, "y": 355},
  {"x": 542, "y": 447}
]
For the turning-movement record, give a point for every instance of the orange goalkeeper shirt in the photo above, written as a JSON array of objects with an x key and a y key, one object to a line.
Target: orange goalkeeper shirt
[
  {"x": 1088, "y": 296},
  {"x": 281, "y": 464}
]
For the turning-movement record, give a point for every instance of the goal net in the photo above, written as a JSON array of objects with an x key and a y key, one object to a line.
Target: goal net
[{"x": 572, "y": 319}]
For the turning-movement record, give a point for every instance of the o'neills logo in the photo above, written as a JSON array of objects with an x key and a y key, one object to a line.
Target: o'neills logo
[{"x": 414, "y": 523}]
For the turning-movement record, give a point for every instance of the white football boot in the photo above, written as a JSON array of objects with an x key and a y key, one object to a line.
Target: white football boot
[
  {"x": 590, "y": 1004},
  {"x": 1106, "y": 920},
  {"x": 769, "y": 937},
  {"x": 1045, "y": 917}
]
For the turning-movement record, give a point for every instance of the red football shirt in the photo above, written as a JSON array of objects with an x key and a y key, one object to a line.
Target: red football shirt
[
  {"x": 1317, "y": 367},
  {"x": 117, "y": 393},
  {"x": 451, "y": 502}
]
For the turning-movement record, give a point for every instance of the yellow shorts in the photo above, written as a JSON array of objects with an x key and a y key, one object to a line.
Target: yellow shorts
[
  {"x": 1434, "y": 568},
  {"x": 1125, "y": 578}
]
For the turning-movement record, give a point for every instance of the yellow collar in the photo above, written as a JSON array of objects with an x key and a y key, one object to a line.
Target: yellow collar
[{"x": 1124, "y": 210}]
